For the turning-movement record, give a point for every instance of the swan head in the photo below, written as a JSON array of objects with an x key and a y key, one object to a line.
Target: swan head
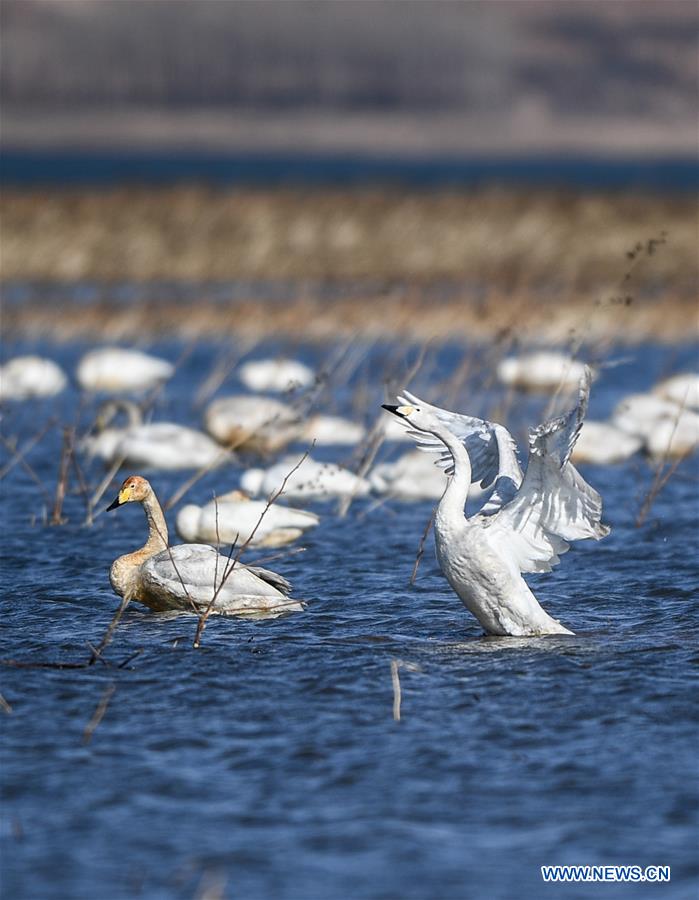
[
  {"x": 414, "y": 416},
  {"x": 133, "y": 490}
]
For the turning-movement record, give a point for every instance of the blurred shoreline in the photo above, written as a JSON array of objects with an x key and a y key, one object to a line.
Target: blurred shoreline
[
  {"x": 417, "y": 314},
  {"x": 390, "y": 135}
]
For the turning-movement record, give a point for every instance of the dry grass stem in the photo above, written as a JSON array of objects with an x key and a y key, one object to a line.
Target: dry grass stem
[
  {"x": 98, "y": 714},
  {"x": 397, "y": 664},
  {"x": 5, "y": 706},
  {"x": 421, "y": 545},
  {"x": 63, "y": 473},
  {"x": 230, "y": 566}
]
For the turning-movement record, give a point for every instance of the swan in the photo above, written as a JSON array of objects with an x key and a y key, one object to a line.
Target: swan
[
  {"x": 156, "y": 445},
  {"x": 602, "y": 444},
  {"x": 413, "y": 476},
  {"x": 25, "y": 377},
  {"x": 675, "y": 436},
  {"x": 666, "y": 428},
  {"x": 528, "y": 520},
  {"x": 258, "y": 424},
  {"x": 681, "y": 389},
  {"x": 114, "y": 370},
  {"x": 332, "y": 431},
  {"x": 312, "y": 480},
  {"x": 541, "y": 371},
  {"x": 187, "y": 576},
  {"x": 638, "y": 413},
  {"x": 233, "y": 517},
  {"x": 275, "y": 375}
]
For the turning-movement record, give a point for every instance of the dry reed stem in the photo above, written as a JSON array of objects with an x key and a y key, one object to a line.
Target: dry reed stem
[
  {"x": 377, "y": 434},
  {"x": 32, "y": 474},
  {"x": 397, "y": 664},
  {"x": 111, "y": 628},
  {"x": 17, "y": 456},
  {"x": 5, "y": 706},
  {"x": 101, "y": 488},
  {"x": 203, "y": 618},
  {"x": 661, "y": 478},
  {"x": 395, "y": 681},
  {"x": 98, "y": 714},
  {"x": 421, "y": 545},
  {"x": 62, "y": 480},
  {"x": 221, "y": 370},
  {"x": 293, "y": 551}
]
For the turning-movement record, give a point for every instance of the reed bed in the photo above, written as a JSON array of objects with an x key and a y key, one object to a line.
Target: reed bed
[{"x": 369, "y": 263}]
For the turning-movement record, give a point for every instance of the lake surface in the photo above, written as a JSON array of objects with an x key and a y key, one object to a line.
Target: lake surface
[
  {"x": 35, "y": 168},
  {"x": 268, "y": 764}
]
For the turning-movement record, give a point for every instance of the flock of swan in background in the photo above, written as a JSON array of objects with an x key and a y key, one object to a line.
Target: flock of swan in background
[{"x": 526, "y": 522}]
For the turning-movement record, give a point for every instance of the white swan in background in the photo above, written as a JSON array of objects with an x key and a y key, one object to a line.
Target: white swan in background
[
  {"x": 393, "y": 431},
  {"x": 25, "y": 377},
  {"x": 155, "y": 445},
  {"x": 186, "y": 577},
  {"x": 681, "y": 389},
  {"x": 674, "y": 437},
  {"x": 542, "y": 371},
  {"x": 638, "y": 413},
  {"x": 603, "y": 444},
  {"x": 258, "y": 424},
  {"x": 311, "y": 481},
  {"x": 528, "y": 520},
  {"x": 275, "y": 375},
  {"x": 233, "y": 517},
  {"x": 115, "y": 370},
  {"x": 666, "y": 428},
  {"x": 332, "y": 431},
  {"x": 412, "y": 476}
]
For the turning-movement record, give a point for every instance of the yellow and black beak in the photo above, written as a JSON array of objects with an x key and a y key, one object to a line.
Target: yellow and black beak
[
  {"x": 400, "y": 411},
  {"x": 121, "y": 498}
]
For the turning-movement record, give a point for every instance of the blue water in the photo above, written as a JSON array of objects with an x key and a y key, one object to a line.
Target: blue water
[
  {"x": 35, "y": 168},
  {"x": 268, "y": 764}
]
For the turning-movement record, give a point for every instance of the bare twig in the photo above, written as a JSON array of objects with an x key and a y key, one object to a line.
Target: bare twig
[
  {"x": 421, "y": 545},
  {"x": 62, "y": 482},
  {"x": 201, "y": 625},
  {"x": 101, "y": 488},
  {"x": 397, "y": 664},
  {"x": 17, "y": 456},
  {"x": 98, "y": 714},
  {"x": 97, "y": 652},
  {"x": 395, "y": 681},
  {"x": 281, "y": 555},
  {"x": 661, "y": 476}
]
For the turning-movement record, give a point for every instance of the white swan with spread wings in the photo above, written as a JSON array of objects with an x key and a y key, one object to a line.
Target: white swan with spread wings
[{"x": 526, "y": 523}]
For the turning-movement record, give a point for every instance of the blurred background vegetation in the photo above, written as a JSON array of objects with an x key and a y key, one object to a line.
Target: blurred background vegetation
[{"x": 499, "y": 157}]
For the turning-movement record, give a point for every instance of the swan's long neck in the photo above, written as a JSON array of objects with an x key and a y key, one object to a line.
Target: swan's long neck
[
  {"x": 132, "y": 411},
  {"x": 451, "y": 506},
  {"x": 157, "y": 526}
]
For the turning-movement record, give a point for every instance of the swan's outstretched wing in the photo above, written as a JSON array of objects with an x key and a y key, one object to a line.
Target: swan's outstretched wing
[
  {"x": 554, "y": 504},
  {"x": 491, "y": 448}
]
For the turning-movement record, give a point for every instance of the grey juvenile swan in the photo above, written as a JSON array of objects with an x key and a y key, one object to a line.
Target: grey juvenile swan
[{"x": 185, "y": 577}]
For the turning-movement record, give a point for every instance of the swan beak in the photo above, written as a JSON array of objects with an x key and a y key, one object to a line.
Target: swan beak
[
  {"x": 402, "y": 411},
  {"x": 121, "y": 498}
]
